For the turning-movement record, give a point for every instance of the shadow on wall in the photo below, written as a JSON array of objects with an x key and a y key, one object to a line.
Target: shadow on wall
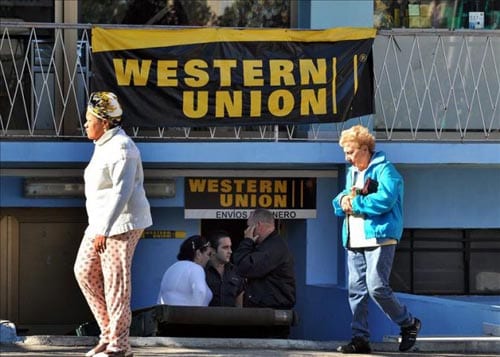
[
  {"x": 325, "y": 315},
  {"x": 438, "y": 314}
]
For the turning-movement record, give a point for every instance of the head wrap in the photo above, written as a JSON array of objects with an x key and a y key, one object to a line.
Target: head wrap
[{"x": 105, "y": 106}]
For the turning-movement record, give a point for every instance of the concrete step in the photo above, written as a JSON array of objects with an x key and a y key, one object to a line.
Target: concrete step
[
  {"x": 438, "y": 344},
  {"x": 490, "y": 329},
  {"x": 450, "y": 344}
]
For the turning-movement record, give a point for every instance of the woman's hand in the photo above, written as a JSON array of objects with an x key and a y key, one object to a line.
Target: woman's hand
[
  {"x": 346, "y": 204},
  {"x": 100, "y": 243}
]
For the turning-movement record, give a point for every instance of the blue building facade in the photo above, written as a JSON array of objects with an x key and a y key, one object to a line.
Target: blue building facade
[{"x": 451, "y": 188}]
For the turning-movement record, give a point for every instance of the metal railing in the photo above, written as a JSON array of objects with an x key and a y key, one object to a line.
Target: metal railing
[
  {"x": 438, "y": 85},
  {"x": 429, "y": 85}
]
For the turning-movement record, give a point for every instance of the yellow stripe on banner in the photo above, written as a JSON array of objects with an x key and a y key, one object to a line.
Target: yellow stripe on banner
[
  {"x": 355, "y": 74},
  {"x": 334, "y": 85},
  {"x": 104, "y": 39},
  {"x": 301, "y": 193}
]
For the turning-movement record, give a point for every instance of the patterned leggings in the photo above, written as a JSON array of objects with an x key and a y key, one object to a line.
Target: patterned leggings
[{"x": 105, "y": 281}]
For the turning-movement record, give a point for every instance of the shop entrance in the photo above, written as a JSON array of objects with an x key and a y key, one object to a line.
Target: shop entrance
[{"x": 38, "y": 250}]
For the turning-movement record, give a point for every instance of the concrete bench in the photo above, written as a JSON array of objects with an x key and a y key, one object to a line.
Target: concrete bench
[{"x": 197, "y": 321}]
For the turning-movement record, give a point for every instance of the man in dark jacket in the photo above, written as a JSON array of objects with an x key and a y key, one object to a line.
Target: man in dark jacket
[
  {"x": 264, "y": 259},
  {"x": 221, "y": 275}
]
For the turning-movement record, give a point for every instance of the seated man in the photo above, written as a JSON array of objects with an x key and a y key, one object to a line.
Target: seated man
[
  {"x": 222, "y": 278},
  {"x": 263, "y": 258}
]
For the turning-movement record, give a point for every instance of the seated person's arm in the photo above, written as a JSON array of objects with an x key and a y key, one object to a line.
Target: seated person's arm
[
  {"x": 199, "y": 288},
  {"x": 239, "y": 300}
]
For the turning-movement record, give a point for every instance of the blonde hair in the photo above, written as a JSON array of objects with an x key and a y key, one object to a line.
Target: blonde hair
[{"x": 358, "y": 134}]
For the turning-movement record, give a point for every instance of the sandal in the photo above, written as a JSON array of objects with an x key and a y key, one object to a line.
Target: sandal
[
  {"x": 101, "y": 347},
  {"x": 115, "y": 354}
]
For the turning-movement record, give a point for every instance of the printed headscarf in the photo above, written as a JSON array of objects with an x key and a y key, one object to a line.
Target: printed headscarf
[{"x": 105, "y": 106}]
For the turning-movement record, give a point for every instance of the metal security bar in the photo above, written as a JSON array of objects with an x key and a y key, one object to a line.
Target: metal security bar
[
  {"x": 447, "y": 262},
  {"x": 437, "y": 85},
  {"x": 429, "y": 85}
]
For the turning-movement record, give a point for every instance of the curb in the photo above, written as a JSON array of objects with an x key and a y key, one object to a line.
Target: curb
[{"x": 464, "y": 345}]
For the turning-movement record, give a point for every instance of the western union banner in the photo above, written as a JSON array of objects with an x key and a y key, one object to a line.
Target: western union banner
[
  {"x": 217, "y": 76},
  {"x": 236, "y": 197}
]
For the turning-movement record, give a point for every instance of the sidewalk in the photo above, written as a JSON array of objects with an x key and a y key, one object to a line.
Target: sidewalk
[{"x": 44, "y": 346}]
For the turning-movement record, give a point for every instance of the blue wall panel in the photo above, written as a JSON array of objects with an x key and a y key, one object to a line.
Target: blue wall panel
[
  {"x": 324, "y": 314},
  {"x": 12, "y": 195},
  {"x": 451, "y": 197},
  {"x": 176, "y": 201},
  {"x": 296, "y": 236},
  {"x": 323, "y": 238},
  {"x": 314, "y": 154}
]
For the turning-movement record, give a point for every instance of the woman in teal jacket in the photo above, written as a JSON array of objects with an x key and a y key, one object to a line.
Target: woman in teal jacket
[
  {"x": 383, "y": 209},
  {"x": 372, "y": 207}
]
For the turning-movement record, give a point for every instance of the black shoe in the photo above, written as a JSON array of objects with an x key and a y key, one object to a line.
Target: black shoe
[
  {"x": 357, "y": 345},
  {"x": 409, "y": 335}
]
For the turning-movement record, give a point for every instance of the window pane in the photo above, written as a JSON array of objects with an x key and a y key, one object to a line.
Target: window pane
[
  {"x": 256, "y": 13},
  {"x": 447, "y": 14},
  {"x": 440, "y": 273},
  {"x": 28, "y": 11},
  {"x": 438, "y": 244},
  {"x": 485, "y": 238},
  {"x": 440, "y": 238},
  {"x": 448, "y": 261},
  {"x": 484, "y": 273},
  {"x": 437, "y": 234},
  {"x": 228, "y": 13}
]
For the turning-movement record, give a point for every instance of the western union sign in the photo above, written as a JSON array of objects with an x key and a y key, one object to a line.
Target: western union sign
[
  {"x": 236, "y": 197},
  {"x": 235, "y": 77}
]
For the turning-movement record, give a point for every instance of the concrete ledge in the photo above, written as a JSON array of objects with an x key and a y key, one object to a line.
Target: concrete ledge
[
  {"x": 465, "y": 345},
  {"x": 491, "y": 329},
  {"x": 29, "y": 153},
  {"x": 459, "y": 344}
]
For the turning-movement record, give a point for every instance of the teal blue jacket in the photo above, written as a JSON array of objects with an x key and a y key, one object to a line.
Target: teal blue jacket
[{"x": 383, "y": 209}]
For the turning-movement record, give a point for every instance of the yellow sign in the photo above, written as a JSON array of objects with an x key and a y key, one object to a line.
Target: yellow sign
[
  {"x": 236, "y": 197},
  {"x": 163, "y": 234},
  {"x": 240, "y": 77}
]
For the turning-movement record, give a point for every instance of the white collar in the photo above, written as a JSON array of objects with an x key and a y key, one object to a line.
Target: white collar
[{"x": 107, "y": 135}]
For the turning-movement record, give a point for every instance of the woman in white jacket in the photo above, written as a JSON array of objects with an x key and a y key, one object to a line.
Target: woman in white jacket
[
  {"x": 118, "y": 212},
  {"x": 184, "y": 282}
]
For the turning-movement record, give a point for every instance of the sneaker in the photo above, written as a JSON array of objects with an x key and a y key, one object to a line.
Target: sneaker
[
  {"x": 409, "y": 335},
  {"x": 357, "y": 345}
]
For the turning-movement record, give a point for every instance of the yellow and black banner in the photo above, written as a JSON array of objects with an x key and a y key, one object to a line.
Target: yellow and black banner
[
  {"x": 217, "y": 76},
  {"x": 237, "y": 197}
]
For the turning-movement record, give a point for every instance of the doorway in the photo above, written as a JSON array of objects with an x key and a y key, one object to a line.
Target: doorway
[
  {"x": 39, "y": 291},
  {"x": 235, "y": 228}
]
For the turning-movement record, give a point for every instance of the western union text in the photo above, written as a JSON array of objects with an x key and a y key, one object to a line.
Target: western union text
[
  {"x": 239, "y": 84},
  {"x": 244, "y": 193}
]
